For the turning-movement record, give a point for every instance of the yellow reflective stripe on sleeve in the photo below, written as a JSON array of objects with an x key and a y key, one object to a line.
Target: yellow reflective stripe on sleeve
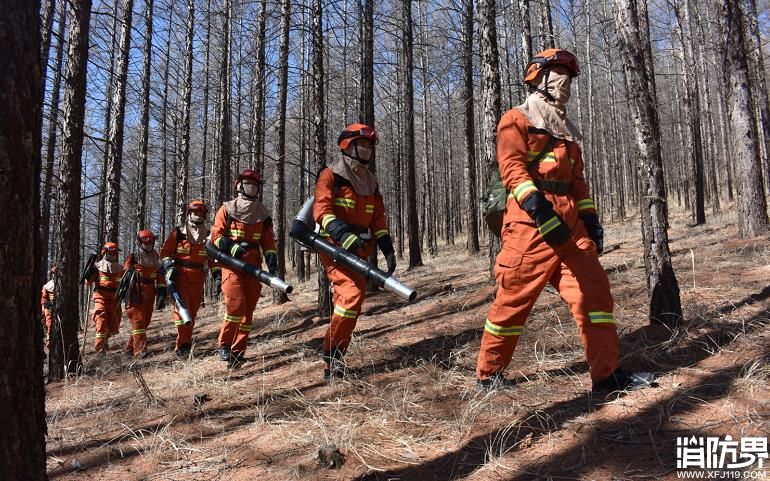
[
  {"x": 381, "y": 233},
  {"x": 214, "y": 269},
  {"x": 493, "y": 328},
  {"x": 599, "y": 317},
  {"x": 341, "y": 311},
  {"x": 323, "y": 233},
  {"x": 326, "y": 219},
  {"x": 549, "y": 157},
  {"x": 370, "y": 208},
  {"x": 235, "y": 233},
  {"x": 344, "y": 202},
  {"x": 271, "y": 251},
  {"x": 257, "y": 236},
  {"x": 234, "y": 250},
  {"x": 523, "y": 189},
  {"x": 166, "y": 259},
  {"x": 586, "y": 204},
  {"x": 549, "y": 225},
  {"x": 201, "y": 253},
  {"x": 182, "y": 250},
  {"x": 349, "y": 241},
  {"x": 234, "y": 319},
  {"x": 178, "y": 322}
]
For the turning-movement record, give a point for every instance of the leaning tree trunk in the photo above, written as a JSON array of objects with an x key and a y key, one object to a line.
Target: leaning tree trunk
[
  {"x": 141, "y": 191},
  {"x": 413, "y": 222},
  {"x": 184, "y": 161},
  {"x": 469, "y": 167},
  {"x": 319, "y": 121},
  {"x": 115, "y": 164},
  {"x": 526, "y": 29},
  {"x": 53, "y": 130},
  {"x": 279, "y": 190},
  {"x": 744, "y": 146},
  {"x": 665, "y": 306},
  {"x": 490, "y": 90},
  {"x": 22, "y": 439}
]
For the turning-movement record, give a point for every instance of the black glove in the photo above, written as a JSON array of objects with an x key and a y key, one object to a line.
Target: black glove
[
  {"x": 169, "y": 269},
  {"x": 271, "y": 259},
  {"x": 160, "y": 297},
  {"x": 342, "y": 233},
  {"x": 552, "y": 228},
  {"x": 231, "y": 248},
  {"x": 385, "y": 243},
  {"x": 595, "y": 230}
]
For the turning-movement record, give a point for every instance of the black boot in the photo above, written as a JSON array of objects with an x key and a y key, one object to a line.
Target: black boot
[
  {"x": 183, "y": 352},
  {"x": 236, "y": 359},
  {"x": 494, "y": 382},
  {"x": 621, "y": 380},
  {"x": 335, "y": 364},
  {"x": 224, "y": 353}
]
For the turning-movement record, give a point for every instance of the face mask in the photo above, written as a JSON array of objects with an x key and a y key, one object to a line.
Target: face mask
[
  {"x": 251, "y": 190},
  {"x": 111, "y": 257},
  {"x": 357, "y": 167},
  {"x": 364, "y": 152},
  {"x": 147, "y": 246},
  {"x": 559, "y": 86},
  {"x": 197, "y": 219}
]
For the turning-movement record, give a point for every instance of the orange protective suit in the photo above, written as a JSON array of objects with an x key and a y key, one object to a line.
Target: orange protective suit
[
  {"x": 47, "y": 296},
  {"x": 190, "y": 259},
  {"x": 106, "y": 307},
  {"x": 241, "y": 291},
  {"x": 335, "y": 198},
  {"x": 527, "y": 263},
  {"x": 139, "y": 305}
]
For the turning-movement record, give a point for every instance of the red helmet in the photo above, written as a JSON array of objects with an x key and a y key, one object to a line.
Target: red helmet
[
  {"x": 250, "y": 174},
  {"x": 111, "y": 247},
  {"x": 197, "y": 206},
  {"x": 552, "y": 56},
  {"x": 146, "y": 235},
  {"x": 356, "y": 131}
]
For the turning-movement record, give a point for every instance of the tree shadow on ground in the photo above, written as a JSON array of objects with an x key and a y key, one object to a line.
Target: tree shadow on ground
[{"x": 476, "y": 451}]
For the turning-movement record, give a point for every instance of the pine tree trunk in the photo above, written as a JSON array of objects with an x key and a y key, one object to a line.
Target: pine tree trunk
[
  {"x": 415, "y": 256},
  {"x": 279, "y": 188},
  {"x": 694, "y": 143},
  {"x": 225, "y": 130},
  {"x": 206, "y": 86},
  {"x": 164, "y": 128},
  {"x": 754, "y": 45},
  {"x": 184, "y": 161},
  {"x": 490, "y": 90},
  {"x": 665, "y": 306},
  {"x": 258, "y": 116},
  {"x": 319, "y": 123},
  {"x": 53, "y": 130},
  {"x": 546, "y": 25},
  {"x": 102, "y": 220},
  {"x": 744, "y": 146},
  {"x": 526, "y": 28},
  {"x": 141, "y": 191},
  {"x": 115, "y": 163},
  {"x": 469, "y": 166},
  {"x": 22, "y": 439}
]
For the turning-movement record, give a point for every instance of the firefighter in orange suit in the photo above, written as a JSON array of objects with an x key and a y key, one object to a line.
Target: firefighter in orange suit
[
  {"x": 551, "y": 231},
  {"x": 351, "y": 212},
  {"x": 242, "y": 229},
  {"x": 183, "y": 258},
  {"x": 47, "y": 297},
  {"x": 141, "y": 301},
  {"x": 105, "y": 275}
]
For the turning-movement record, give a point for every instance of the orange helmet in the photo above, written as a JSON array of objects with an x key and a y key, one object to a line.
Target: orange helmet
[
  {"x": 111, "y": 247},
  {"x": 145, "y": 235},
  {"x": 356, "y": 131},
  {"x": 250, "y": 174},
  {"x": 196, "y": 206},
  {"x": 552, "y": 56}
]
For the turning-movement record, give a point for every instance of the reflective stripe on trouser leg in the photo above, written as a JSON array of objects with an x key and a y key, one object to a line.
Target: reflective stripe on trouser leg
[
  {"x": 104, "y": 312},
  {"x": 349, "y": 295},
  {"x": 520, "y": 280},
  {"x": 584, "y": 285}
]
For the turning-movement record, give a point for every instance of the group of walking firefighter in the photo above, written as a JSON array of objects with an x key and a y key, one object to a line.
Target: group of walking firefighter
[{"x": 550, "y": 233}]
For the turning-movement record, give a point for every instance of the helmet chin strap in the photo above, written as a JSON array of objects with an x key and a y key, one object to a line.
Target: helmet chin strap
[
  {"x": 242, "y": 192},
  {"x": 357, "y": 157},
  {"x": 189, "y": 217},
  {"x": 545, "y": 91}
]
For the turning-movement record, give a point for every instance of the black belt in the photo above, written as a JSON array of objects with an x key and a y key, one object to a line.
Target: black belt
[
  {"x": 558, "y": 187},
  {"x": 105, "y": 289},
  {"x": 188, "y": 264}
]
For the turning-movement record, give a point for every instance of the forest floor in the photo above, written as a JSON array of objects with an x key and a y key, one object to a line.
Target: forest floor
[{"x": 409, "y": 409}]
